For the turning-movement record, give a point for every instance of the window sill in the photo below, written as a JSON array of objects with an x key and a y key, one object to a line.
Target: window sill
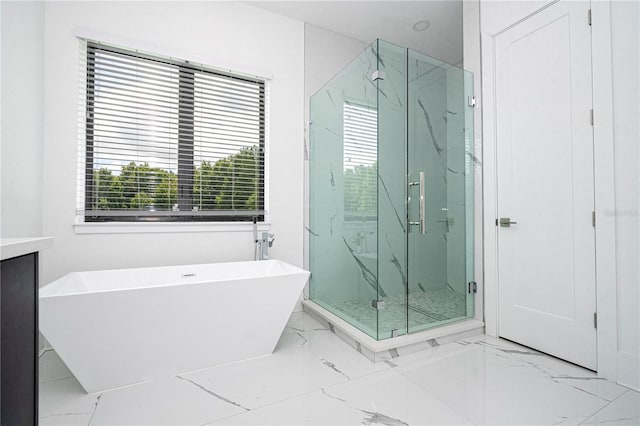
[{"x": 165, "y": 227}]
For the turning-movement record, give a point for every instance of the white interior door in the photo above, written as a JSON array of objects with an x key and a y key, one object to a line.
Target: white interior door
[{"x": 546, "y": 260}]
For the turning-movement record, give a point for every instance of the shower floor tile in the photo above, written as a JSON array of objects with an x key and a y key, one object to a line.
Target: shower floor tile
[
  {"x": 425, "y": 307},
  {"x": 314, "y": 378}
]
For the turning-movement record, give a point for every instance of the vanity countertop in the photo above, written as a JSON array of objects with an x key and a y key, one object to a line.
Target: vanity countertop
[{"x": 14, "y": 247}]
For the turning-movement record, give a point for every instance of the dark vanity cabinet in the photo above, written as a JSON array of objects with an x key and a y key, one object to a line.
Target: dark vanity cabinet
[{"x": 19, "y": 340}]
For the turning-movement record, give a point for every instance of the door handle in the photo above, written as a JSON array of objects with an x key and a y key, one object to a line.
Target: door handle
[
  {"x": 423, "y": 213},
  {"x": 505, "y": 222},
  {"x": 422, "y": 223}
]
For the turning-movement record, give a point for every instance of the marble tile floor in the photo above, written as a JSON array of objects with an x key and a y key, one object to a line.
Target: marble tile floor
[{"x": 314, "y": 378}]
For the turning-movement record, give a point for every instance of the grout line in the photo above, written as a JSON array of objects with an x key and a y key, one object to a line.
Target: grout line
[
  {"x": 604, "y": 406},
  {"x": 57, "y": 380},
  {"x": 71, "y": 413},
  {"x": 45, "y": 350},
  {"x": 261, "y": 406},
  {"x": 429, "y": 393}
]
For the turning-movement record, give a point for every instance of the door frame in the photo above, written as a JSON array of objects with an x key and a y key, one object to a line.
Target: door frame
[{"x": 603, "y": 173}]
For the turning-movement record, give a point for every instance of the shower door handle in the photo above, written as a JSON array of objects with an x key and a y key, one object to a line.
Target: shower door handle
[{"x": 423, "y": 222}]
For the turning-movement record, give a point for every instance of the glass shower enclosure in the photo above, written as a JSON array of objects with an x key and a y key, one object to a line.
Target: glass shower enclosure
[{"x": 391, "y": 193}]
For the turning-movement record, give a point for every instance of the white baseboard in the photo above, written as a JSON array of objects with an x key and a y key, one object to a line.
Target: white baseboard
[{"x": 629, "y": 370}]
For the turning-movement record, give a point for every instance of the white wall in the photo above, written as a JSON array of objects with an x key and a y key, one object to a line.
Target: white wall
[
  {"x": 625, "y": 42},
  {"x": 325, "y": 54},
  {"x": 218, "y": 33},
  {"x": 22, "y": 29}
]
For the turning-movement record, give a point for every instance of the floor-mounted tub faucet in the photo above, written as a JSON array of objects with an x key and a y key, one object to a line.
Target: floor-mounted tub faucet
[{"x": 263, "y": 244}]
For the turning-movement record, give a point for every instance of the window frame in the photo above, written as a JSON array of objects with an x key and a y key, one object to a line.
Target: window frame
[{"x": 185, "y": 146}]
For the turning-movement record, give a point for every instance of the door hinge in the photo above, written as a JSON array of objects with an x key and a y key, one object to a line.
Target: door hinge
[
  {"x": 377, "y": 304},
  {"x": 595, "y": 320},
  {"x": 591, "y": 116},
  {"x": 471, "y": 101},
  {"x": 378, "y": 75},
  {"x": 473, "y": 287},
  {"x": 589, "y": 17},
  {"x": 593, "y": 218}
]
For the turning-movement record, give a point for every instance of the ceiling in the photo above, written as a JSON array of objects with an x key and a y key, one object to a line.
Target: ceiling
[{"x": 389, "y": 20}]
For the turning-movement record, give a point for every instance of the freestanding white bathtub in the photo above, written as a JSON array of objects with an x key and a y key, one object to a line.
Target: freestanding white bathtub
[{"x": 120, "y": 327}]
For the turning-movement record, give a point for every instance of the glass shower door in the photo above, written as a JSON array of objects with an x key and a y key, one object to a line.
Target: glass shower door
[{"x": 440, "y": 177}]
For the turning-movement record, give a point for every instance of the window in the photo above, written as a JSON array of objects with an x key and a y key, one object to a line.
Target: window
[
  {"x": 168, "y": 140},
  {"x": 360, "y": 125}
]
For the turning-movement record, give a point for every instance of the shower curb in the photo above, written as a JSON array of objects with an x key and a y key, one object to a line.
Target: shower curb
[{"x": 388, "y": 349}]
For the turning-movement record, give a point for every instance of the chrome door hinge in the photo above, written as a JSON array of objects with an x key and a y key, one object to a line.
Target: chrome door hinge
[
  {"x": 593, "y": 218},
  {"x": 595, "y": 320},
  {"x": 591, "y": 117},
  {"x": 589, "y": 17},
  {"x": 377, "y": 304},
  {"x": 378, "y": 75},
  {"x": 471, "y": 101},
  {"x": 473, "y": 287}
]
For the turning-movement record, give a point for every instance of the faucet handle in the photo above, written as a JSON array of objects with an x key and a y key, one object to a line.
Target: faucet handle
[{"x": 268, "y": 238}]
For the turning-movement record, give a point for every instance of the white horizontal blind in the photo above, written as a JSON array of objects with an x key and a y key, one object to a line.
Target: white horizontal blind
[
  {"x": 360, "y": 129},
  {"x": 170, "y": 140}
]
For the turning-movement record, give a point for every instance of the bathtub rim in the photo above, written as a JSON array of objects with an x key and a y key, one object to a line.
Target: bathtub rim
[{"x": 290, "y": 270}]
